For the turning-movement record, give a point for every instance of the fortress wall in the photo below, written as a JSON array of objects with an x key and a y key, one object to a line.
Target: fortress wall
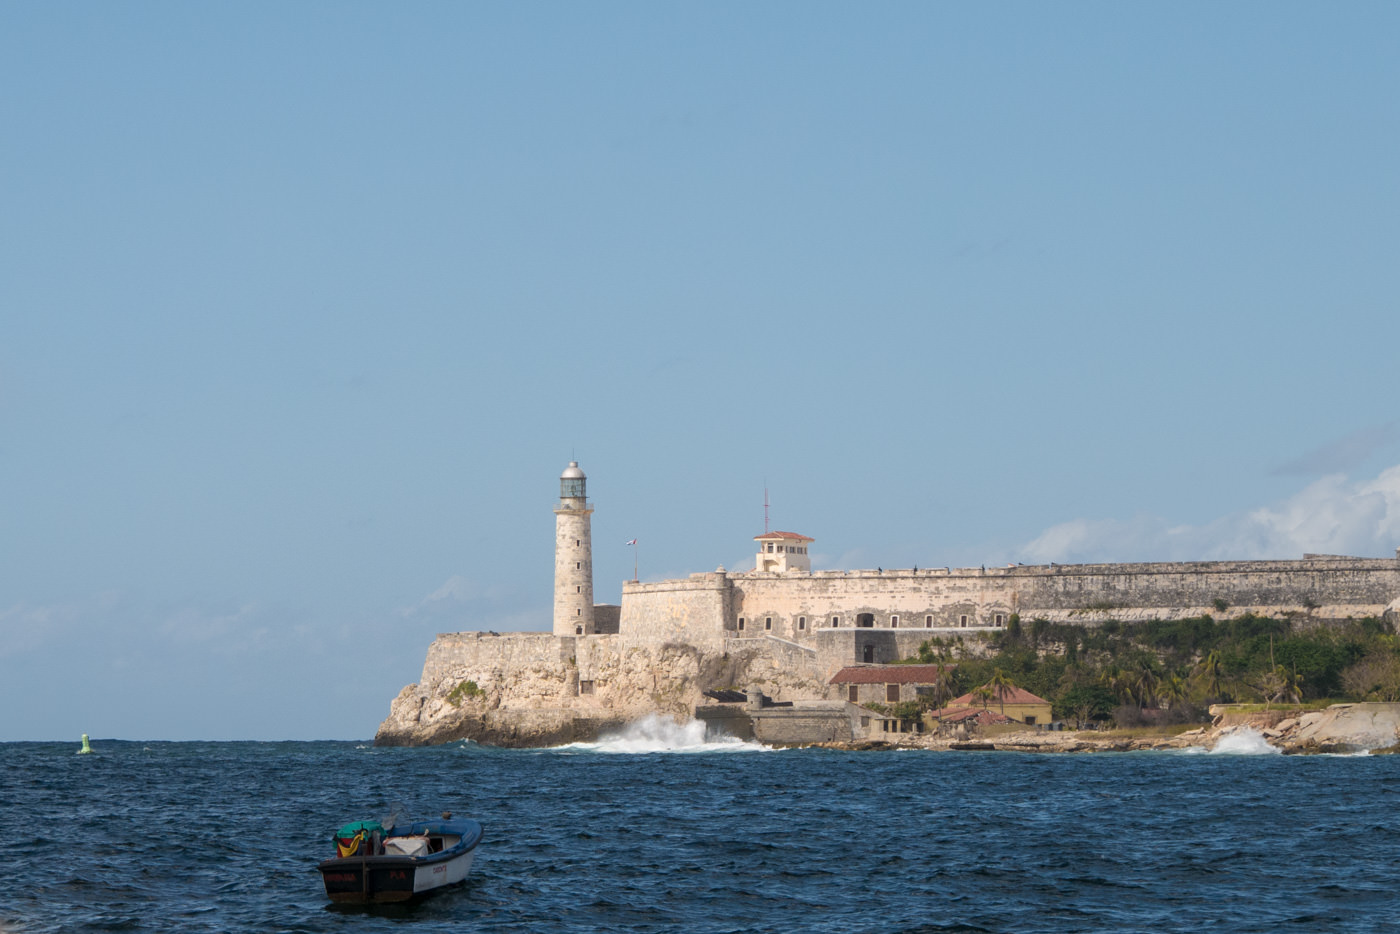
[
  {"x": 1336, "y": 587},
  {"x": 911, "y": 595},
  {"x": 518, "y": 669},
  {"x": 455, "y": 652},
  {"x": 691, "y": 611},
  {"x": 1358, "y": 582}
]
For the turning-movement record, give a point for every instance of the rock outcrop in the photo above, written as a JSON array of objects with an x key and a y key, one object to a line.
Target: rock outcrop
[
  {"x": 533, "y": 689},
  {"x": 1341, "y": 728}
]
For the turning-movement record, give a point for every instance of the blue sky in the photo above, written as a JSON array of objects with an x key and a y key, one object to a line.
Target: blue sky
[{"x": 303, "y": 308}]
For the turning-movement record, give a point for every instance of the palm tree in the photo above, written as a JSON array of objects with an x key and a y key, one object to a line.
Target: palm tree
[
  {"x": 1208, "y": 670},
  {"x": 1000, "y": 685},
  {"x": 1172, "y": 689},
  {"x": 1116, "y": 680},
  {"x": 942, "y": 689},
  {"x": 1143, "y": 681},
  {"x": 984, "y": 694}
]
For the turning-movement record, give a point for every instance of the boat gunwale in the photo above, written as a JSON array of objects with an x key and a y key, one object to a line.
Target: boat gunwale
[{"x": 470, "y": 832}]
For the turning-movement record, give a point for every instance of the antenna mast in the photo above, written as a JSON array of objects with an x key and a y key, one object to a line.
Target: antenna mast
[{"x": 765, "y": 507}]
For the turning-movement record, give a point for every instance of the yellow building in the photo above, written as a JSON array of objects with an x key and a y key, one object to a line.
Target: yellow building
[{"x": 1017, "y": 703}]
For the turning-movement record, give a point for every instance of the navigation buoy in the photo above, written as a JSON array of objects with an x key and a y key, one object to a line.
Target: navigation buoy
[{"x": 86, "y": 748}]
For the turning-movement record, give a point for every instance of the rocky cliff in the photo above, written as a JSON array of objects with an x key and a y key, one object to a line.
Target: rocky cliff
[{"x": 535, "y": 689}]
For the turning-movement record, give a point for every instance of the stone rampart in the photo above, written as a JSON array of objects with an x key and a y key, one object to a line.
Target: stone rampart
[
  {"x": 690, "y": 611},
  {"x": 452, "y": 653},
  {"x": 795, "y": 606}
]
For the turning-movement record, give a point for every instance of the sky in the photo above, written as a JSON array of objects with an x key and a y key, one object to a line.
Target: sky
[{"x": 304, "y": 308}]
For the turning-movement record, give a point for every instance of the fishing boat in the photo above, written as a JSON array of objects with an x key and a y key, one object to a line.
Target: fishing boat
[{"x": 375, "y": 864}]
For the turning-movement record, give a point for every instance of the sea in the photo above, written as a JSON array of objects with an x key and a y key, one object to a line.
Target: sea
[{"x": 663, "y": 829}]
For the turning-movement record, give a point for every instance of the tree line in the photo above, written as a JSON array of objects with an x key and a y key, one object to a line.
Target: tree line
[{"x": 1172, "y": 670}]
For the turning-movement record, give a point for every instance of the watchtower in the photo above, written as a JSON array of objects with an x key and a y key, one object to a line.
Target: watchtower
[
  {"x": 782, "y": 551},
  {"x": 573, "y": 556}
]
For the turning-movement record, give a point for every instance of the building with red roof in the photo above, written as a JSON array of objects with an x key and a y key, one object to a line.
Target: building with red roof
[
  {"x": 888, "y": 684},
  {"x": 1015, "y": 703},
  {"x": 783, "y": 551}
]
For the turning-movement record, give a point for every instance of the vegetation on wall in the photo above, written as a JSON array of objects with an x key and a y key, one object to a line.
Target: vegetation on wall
[
  {"x": 1171, "y": 670},
  {"x": 466, "y": 690}
]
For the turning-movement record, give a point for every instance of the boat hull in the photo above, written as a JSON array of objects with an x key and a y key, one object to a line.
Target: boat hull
[
  {"x": 376, "y": 880},
  {"x": 384, "y": 879}
]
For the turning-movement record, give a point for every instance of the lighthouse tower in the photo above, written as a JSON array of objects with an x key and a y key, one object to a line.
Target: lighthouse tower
[{"x": 573, "y": 556}]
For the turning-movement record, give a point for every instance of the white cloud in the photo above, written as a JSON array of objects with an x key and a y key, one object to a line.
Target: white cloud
[
  {"x": 461, "y": 604},
  {"x": 453, "y": 593},
  {"x": 1343, "y": 454},
  {"x": 1333, "y": 515},
  {"x": 24, "y": 628},
  {"x": 202, "y": 625}
]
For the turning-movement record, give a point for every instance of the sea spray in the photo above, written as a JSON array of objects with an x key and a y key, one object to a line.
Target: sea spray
[
  {"x": 1244, "y": 741},
  {"x": 655, "y": 733}
]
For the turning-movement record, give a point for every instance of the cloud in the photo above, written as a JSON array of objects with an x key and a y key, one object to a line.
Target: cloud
[
  {"x": 461, "y": 605},
  {"x": 1344, "y": 454},
  {"x": 454, "y": 592},
  {"x": 24, "y": 628},
  {"x": 205, "y": 626},
  {"x": 1333, "y": 515}
]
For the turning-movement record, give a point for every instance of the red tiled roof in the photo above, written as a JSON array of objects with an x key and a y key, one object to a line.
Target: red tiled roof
[
  {"x": 887, "y": 674},
  {"x": 1001, "y": 696},
  {"x": 788, "y": 536},
  {"x": 964, "y": 714}
]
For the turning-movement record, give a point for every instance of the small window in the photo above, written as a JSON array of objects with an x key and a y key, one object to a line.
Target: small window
[
  {"x": 585, "y": 687},
  {"x": 770, "y": 548},
  {"x": 801, "y": 622},
  {"x": 962, "y": 621},
  {"x": 835, "y": 621},
  {"x": 578, "y": 589},
  {"x": 767, "y": 622},
  {"x": 894, "y": 622},
  {"x": 853, "y": 693},
  {"x": 576, "y": 543},
  {"x": 578, "y": 565},
  {"x": 1030, "y": 721},
  {"x": 928, "y": 622},
  {"x": 578, "y": 630},
  {"x": 1000, "y": 619},
  {"x": 741, "y": 624},
  {"x": 892, "y": 693},
  {"x": 578, "y": 612}
]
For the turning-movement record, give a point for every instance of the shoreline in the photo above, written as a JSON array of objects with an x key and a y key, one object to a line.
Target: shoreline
[{"x": 1345, "y": 729}]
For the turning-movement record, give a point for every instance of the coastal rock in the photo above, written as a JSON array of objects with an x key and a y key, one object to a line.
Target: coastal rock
[
  {"x": 1346, "y": 728},
  {"x": 524, "y": 689}
]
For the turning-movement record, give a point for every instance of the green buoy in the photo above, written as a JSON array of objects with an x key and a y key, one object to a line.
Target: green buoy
[{"x": 86, "y": 748}]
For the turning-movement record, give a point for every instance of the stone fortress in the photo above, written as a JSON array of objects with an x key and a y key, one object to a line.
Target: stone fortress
[{"x": 784, "y": 630}]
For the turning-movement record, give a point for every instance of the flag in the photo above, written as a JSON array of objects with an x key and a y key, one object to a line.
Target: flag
[{"x": 632, "y": 542}]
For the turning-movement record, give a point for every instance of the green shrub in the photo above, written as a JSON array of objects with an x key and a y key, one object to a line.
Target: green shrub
[{"x": 466, "y": 690}]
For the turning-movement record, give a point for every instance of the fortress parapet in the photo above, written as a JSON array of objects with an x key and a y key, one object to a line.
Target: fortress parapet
[{"x": 690, "y": 611}]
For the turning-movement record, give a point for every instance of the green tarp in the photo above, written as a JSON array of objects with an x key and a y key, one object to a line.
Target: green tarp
[{"x": 368, "y": 826}]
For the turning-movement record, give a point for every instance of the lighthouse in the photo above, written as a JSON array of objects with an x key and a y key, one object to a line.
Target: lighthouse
[{"x": 573, "y": 556}]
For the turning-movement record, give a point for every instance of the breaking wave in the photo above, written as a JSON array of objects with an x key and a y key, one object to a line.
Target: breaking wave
[
  {"x": 655, "y": 733},
  {"x": 1244, "y": 742}
]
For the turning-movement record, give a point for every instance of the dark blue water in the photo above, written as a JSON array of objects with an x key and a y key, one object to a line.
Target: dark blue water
[{"x": 224, "y": 837}]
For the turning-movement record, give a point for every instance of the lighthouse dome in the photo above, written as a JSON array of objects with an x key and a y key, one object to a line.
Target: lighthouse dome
[{"x": 572, "y": 472}]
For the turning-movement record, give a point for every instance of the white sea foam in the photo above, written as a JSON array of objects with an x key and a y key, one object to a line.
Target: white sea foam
[
  {"x": 654, "y": 733},
  {"x": 1243, "y": 741}
]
